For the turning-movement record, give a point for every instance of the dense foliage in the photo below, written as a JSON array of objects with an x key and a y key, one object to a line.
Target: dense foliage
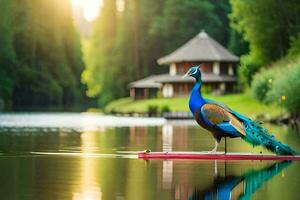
[
  {"x": 279, "y": 84},
  {"x": 40, "y": 56},
  {"x": 268, "y": 26},
  {"x": 126, "y": 44},
  {"x": 286, "y": 88},
  {"x": 263, "y": 83}
]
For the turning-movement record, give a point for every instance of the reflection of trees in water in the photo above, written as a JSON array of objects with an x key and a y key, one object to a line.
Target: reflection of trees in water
[
  {"x": 27, "y": 139},
  {"x": 239, "y": 187}
]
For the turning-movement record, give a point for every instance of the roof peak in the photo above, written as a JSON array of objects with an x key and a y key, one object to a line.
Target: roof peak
[
  {"x": 201, "y": 48},
  {"x": 203, "y": 34}
]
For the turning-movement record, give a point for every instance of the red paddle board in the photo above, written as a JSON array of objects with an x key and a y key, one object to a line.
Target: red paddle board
[{"x": 214, "y": 156}]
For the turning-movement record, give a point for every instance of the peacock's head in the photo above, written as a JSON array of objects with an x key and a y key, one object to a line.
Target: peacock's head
[{"x": 194, "y": 72}]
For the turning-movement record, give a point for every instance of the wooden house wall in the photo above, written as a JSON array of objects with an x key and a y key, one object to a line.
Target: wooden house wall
[
  {"x": 143, "y": 93},
  {"x": 181, "y": 68},
  {"x": 182, "y": 89}
]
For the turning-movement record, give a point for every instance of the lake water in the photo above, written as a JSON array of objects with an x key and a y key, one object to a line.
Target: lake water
[{"x": 90, "y": 156}]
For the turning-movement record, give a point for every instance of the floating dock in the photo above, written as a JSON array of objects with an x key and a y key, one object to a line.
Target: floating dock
[{"x": 213, "y": 156}]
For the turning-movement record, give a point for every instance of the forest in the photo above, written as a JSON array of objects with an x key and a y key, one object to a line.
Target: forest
[
  {"x": 43, "y": 60},
  {"x": 40, "y": 54}
]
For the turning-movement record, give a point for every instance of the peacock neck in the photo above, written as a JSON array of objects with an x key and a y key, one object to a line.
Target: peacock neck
[
  {"x": 197, "y": 87},
  {"x": 196, "y": 99}
]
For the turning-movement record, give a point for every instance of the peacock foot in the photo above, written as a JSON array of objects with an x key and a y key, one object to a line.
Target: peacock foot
[{"x": 213, "y": 151}]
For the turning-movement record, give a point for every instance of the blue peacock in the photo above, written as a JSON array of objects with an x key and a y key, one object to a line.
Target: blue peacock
[{"x": 222, "y": 121}]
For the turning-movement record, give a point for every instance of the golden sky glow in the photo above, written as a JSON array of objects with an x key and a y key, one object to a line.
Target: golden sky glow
[{"x": 90, "y": 7}]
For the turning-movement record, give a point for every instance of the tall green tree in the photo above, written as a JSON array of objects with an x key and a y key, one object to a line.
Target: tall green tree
[
  {"x": 101, "y": 52},
  {"x": 237, "y": 44},
  {"x": 7, "y": 54},
  {"x": 152, "y": 47}
]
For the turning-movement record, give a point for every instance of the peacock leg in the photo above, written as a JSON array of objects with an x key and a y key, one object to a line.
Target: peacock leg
[{"x": 215, "y": 148}]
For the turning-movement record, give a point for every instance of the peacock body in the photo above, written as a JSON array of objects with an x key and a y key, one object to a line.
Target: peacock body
[{"x": 222, "y": 121}]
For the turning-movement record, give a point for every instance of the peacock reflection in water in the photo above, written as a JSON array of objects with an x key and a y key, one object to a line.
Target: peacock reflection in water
[{"x": 239, "y": 187}]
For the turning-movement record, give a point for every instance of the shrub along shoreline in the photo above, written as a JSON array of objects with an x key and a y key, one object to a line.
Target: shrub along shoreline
[{"x": 279, "y": 84}]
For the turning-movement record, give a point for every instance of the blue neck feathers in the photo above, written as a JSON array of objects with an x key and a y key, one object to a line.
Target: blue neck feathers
[{"x": 196, "y": 99}]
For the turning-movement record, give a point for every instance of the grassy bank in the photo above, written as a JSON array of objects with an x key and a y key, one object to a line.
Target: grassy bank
[{"x": 242, "y": 103}]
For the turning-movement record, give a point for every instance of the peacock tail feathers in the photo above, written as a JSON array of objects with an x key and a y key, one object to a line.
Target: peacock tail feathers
[{"x": 256, "y": 135}]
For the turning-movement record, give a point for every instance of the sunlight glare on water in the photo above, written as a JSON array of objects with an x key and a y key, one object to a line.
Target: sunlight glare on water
[{"x": 85, "y": 121}]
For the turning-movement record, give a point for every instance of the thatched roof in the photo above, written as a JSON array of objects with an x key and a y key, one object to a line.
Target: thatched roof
[{"x": 201, "y": 48}]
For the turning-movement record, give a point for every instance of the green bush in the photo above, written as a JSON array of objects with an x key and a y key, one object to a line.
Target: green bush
[
  {"x": 285, "y": 90},
  {"x": 165, "y": 109},
  {"x": 152, "y": 110},
  {"x": 263, "y": 82},
  {"x": 279, "y": 84},
  {"x": 113, "y": 111}
]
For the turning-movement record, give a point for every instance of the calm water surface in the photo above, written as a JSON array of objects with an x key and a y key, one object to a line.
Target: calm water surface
[{"x": 89, "y": 156}]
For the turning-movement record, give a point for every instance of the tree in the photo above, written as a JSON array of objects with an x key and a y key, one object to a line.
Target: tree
[
  {"x": 7, "y": 54},
  {"x": 101, "y": 51},
  {"x": 237, "y": 44}
]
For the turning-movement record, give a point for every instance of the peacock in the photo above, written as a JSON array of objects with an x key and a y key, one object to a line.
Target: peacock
[{"x": 222, "y": 121}]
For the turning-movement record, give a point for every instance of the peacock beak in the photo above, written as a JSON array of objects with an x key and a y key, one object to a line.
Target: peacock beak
[{"x": 186, "y": 75}]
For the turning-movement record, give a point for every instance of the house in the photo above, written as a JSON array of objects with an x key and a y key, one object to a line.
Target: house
[{"x": 218, "y": 67}]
